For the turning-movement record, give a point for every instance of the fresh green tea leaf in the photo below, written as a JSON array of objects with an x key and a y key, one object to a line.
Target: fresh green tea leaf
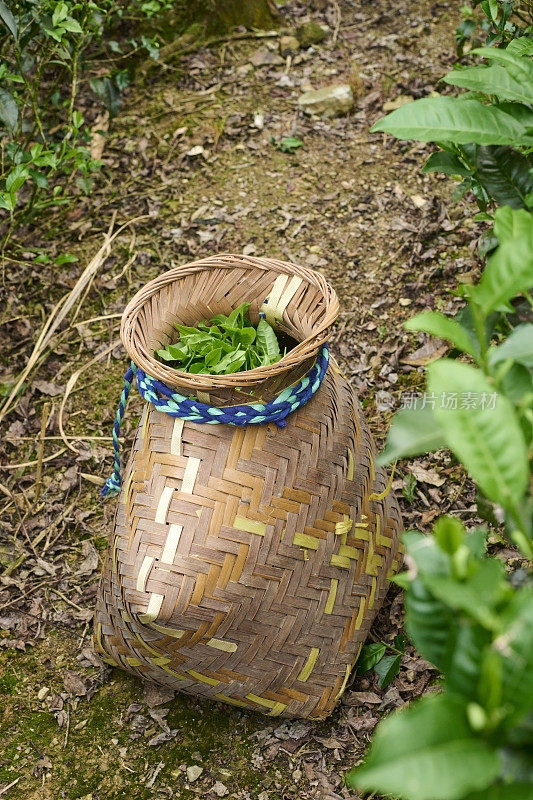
[
  {"x": 8, "y": 18},
  {"x": 518, "y": 346},
  {"x": 452, "y": 119},
  {"x": 426, "y": 750},
  {"x": 267, "y": 341},
  {"x": 519, "y": 67},
  {"x": 491, "y": 80},
  {"x": 485, "y": 435},
  {"x": 228, "y": 344},
  {"x": 369, "y": 656},
  {"x": 449, "y": 533},
  {"x": 387, "y": 669},
  {"x": 505, "y": 175},
  {"x": 509, "y": 271},
  {"x": 444, "y": 327},
  {"x": 413, "y": 431},
  {"x": 448, "y": 163}
]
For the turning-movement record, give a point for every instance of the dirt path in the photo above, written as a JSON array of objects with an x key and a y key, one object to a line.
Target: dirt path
[{"x": 193, "y": 151}]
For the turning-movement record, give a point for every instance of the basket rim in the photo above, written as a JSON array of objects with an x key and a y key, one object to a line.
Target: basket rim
[{"x": 305, "y": 349}]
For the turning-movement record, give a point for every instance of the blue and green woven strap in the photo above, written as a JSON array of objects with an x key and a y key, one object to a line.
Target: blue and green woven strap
[{"x": 170, "y": 402}]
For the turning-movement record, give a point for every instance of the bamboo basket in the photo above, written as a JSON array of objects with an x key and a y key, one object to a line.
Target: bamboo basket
[{"x": 246, "y": 564}]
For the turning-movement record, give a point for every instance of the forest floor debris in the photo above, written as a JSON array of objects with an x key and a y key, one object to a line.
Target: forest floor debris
[{"x": 192, "y": 154}]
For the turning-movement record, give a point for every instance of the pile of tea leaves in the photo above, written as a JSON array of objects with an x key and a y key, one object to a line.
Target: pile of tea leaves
[{"x": 223, "y": 345}]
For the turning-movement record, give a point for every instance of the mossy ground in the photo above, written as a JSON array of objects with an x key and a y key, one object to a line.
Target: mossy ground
[{"x": 97, "y": 756}]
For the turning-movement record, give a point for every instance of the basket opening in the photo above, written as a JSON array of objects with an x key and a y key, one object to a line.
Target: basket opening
[{"x": 299, "y": 304}]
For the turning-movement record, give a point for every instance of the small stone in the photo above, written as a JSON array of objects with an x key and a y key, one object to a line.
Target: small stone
[
  {"x": 288, "y": 45},
  {"x": 220, "y": 790},
  {"x": 310, "y": 33},
  {"x": 244, "y": 69},
  {"x": 194, "y": 772},
  {"x": 327, "y": 102},
  {"x": 43, "y": 693},
  {"x": 419, "y": 201},
  {"x": 197, "y": 150},
  {"x": 265, "y": 58}
]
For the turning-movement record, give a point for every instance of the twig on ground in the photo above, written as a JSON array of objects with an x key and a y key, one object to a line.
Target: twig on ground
[
  {"x": 67, "y": 601},
  {"x": 45, "y": 533},
  {"x": 63, "y": 307},
  {"x": 338, "y": 18},
  {"x": 9, "y": 786},
  {"x": 45, "y": 416},
  {"x": 36, "y": 461},
  {"x": 70, "y": 385}
]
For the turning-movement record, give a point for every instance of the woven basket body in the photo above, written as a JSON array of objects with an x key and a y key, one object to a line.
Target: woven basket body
[{"x": 246, "y": 564}]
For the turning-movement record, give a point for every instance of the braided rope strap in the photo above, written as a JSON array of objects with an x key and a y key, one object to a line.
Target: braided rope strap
[{"x": 176, "y": 405}]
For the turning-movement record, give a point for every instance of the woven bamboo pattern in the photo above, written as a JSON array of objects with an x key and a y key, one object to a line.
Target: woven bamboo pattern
[{"x": 247, "y": 564}]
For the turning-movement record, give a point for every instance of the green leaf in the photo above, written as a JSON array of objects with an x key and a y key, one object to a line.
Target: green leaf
[
  {"x": 426, "y": 751},
  {"x": 236, "y": 318},
  {"x": 505, "y": 175},
  {"x": 452, "y": 119},
  {"x": 444, "y": 327},
  {"x": 232, "y": 362},
  {"x": 369, "y": 656},
  {"x": 491, "y": 80},
  {"x": 511, "y": 223},
  {"x": 517, "y": 383},
  {"x": 522, "y": 114},
  {"x": 520, "y": 67},
  {"x": 412, "y": 432},
  {"x": 9, "y": 113},
  {"x": 508, "y": 272},
  {"x": 8, "y": 18},
  {"x": 245, "y": 336},
  {"x": 17, "y": 177},
  {"x": 489, "y": 441},
  {"x": 71, "y": 25},
  {"x": 518, "y": 346},
  {"x": 463, "y": 656},
  {"x": 196, "y": 367},
  {"x": 8, "y": 200},
  {"x": 230, "y": 344},
  {"x": 289, "y": 144},
  {"x": 429, "y": 622},
  {"x": 38, "y": 178},
  {"x": 516, "y": 648},
  {"x": 448, "y": 163},
  {"x": 60, "y": 12},
  {"x": 504, "y": 791},
  {"x": 267, "y": 341},
  {"x": 213, "y": 358},
  {"x": 108, "y": 93},
  {"x": 65, "y": 258},
  {"x": 449, "y": 533},
  {"x": 387, "y": 669},
  {"x": 521, "y": 46},
  {"x": 477, "y": 594}
]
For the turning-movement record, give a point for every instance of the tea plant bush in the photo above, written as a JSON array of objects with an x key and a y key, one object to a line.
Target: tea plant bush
[
  {"x": 485, "y": 134},
  {"x": 474, "y": 739},
  {"x": 45, "y": 49}
]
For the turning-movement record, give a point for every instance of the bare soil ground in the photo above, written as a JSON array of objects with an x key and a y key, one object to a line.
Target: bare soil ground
[{"x": 191, "y": 152}]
